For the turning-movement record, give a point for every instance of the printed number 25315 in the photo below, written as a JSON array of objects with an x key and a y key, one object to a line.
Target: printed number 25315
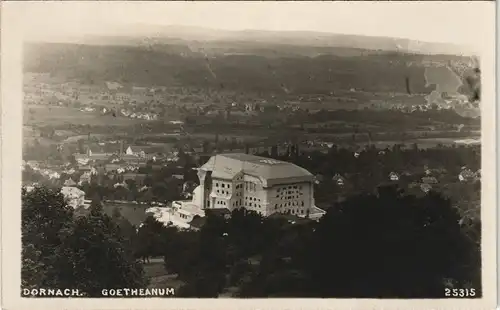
[{"x": 459, "y": 292}]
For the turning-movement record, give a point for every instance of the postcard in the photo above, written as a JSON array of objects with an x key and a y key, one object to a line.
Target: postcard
[{"x": 250, "y": 155}]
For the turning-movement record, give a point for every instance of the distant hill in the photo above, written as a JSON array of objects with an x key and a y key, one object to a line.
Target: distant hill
[
  {"x": 251, "y": 60},
  {"x": 135, "y": 34},
  {"x": 237, "y": 65}
]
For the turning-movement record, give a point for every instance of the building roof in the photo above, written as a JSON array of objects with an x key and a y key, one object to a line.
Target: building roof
[
  {"x": 270, "y": 171},
  {"x": 197, "y": 222},
  {"x": 135, "y": 148}
]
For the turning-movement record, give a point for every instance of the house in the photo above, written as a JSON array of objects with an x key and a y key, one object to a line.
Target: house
[
  {"x": 466, "y": 175},
  {"x": 337, "y": 178},
  {"x": 122, "y": 97},
  {"x": 69, "y": 182},
  {"x": 425, "y": 187},
  {"x": 132, "y": 159},
  {"x": 73, "y": 196},
  {"x": 393, "y": 176},
  {"x": 85, "y": 177},
  {"x": 95, "y": 152},
  {"x": 135, "y": 151},
  {"x": 182, "y": 213}
]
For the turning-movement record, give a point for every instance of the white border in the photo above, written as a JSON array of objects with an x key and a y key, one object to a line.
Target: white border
[{"x": 11, "y": 99}]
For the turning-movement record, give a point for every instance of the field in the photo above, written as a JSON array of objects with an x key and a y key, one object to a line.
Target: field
[{"x": 44, "y": 115}]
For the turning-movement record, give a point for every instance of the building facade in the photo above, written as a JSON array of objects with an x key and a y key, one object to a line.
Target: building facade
[{"x": 260, "y": 184}]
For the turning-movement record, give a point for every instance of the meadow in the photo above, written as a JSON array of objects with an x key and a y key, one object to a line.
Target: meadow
[{"x": 39, "y": 115}]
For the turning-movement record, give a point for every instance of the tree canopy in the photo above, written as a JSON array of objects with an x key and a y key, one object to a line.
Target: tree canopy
[
  {"x": 62, "y": 251},
  {"x": 383, "y": 245}
]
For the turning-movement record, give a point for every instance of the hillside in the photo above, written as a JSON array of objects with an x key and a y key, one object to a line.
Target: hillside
[{"x": 239, "y": 66}]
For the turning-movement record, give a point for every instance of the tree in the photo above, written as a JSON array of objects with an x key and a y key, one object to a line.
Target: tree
[
  {"x": 44, "y": 217},
  {"x": 150, "y": 240},
  {"x": 398, "y": 246},
  {"x": 388, "y": 245},
  {"x": 95, "y": 256},
  {"x": 86, "y": 253}
]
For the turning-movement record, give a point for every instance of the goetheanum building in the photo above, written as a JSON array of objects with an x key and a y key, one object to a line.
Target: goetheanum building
[{"x": 255, "y": 183}]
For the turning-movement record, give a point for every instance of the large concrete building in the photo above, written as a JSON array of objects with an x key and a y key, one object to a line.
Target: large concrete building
[{"x": 256, "y": 183}]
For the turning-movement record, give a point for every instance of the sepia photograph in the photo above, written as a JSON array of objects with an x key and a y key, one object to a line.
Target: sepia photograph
[{"x": 332, "y": 153}]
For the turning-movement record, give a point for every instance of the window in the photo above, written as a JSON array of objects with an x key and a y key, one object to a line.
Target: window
[
  {"x": 302, "y": 203},
  {"x": 216, "y": 184},
  {"x": 222, "y": 185},
  {"x": 228, "y": 186}
]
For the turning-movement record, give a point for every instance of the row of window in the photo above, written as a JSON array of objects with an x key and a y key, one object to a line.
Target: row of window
[
  {"x": 289, "y": 187},
  {"x": 288, "y": 192},
  {"x": 252, "y": 205},
  {"x": 289, "y": 197},
  {"x": 223, "y": 192},
  {"x": 288, "y": 204},
  {"x": 293, "y": 211},
  {"x": 223, "y": 185},
  {"x": 252, "y": 198}
]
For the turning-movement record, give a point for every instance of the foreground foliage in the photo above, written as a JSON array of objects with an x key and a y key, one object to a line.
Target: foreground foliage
[
  {"x": 387, "y": 245},
  {"x": 60, "y": 251},
  {"x": 383, "y": 245}
]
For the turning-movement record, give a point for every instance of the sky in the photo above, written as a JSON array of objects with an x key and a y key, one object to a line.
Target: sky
[{"x": 450, "y": 22}]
